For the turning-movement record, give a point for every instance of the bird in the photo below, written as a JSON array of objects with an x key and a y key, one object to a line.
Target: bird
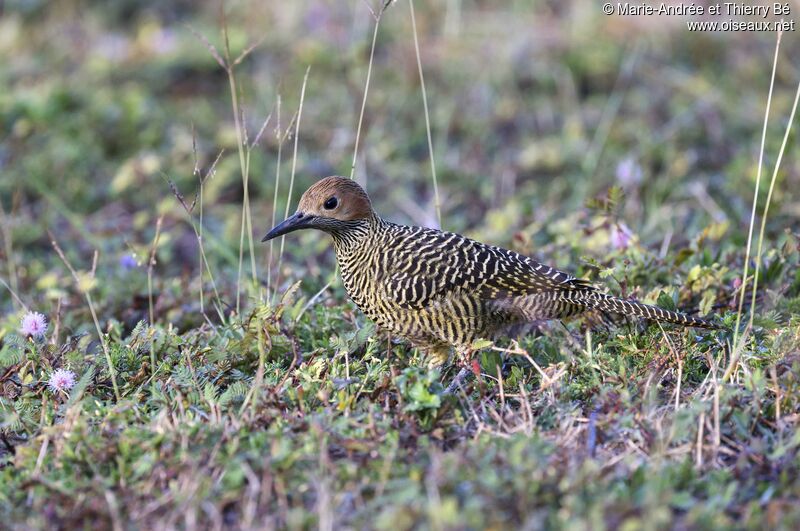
[{"x": 440, "y": 290}]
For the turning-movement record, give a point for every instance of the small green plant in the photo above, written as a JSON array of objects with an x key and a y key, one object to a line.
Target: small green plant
[{"x": 421, "y": 390}]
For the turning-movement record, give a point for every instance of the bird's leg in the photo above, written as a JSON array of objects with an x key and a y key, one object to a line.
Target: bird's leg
[
  {"x": 468, "y": 365},
  {"x": 462, "y": 375}
]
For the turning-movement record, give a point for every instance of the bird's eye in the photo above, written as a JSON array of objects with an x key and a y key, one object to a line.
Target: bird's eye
[{"x": 331, "y": 203}]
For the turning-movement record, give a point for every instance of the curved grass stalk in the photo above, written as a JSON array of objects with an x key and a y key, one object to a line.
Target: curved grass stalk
[
  {"x": 437, "y": 202},
  {"x": 755, "y": 195}
]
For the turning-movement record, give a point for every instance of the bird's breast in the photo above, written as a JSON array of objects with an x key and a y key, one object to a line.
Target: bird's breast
[{"x": 360, "y": 271}]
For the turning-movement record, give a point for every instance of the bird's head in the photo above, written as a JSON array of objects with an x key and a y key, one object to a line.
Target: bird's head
[{"x": 332, "y": 204}]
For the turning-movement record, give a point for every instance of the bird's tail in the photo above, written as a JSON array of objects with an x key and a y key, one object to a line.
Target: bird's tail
[{"x": 609, "y": 303}]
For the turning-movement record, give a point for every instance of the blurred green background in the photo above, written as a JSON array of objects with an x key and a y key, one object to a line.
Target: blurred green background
[{"x": 536, "y": 108}]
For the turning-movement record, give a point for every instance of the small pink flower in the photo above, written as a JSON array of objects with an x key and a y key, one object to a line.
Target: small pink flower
[
  {"x": 61, "y": 380},
  {"x": 33, "y": 325},
  {"x": 620, "y": 236}
]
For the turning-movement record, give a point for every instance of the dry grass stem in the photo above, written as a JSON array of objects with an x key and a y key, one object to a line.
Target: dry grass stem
[
  {"x": 85, "y": 290},
  {"x": 294, "y": 163},
  {"x": 377, "y": 16},
  {"x": 5, "y": 229},
  {"x": 437, "y": 202},
  {"x": 761, "y": 233},
  {"x": 745, "y": 278}
]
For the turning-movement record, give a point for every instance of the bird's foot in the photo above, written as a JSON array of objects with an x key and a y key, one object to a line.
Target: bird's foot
[{"x": 459, "y": 379}]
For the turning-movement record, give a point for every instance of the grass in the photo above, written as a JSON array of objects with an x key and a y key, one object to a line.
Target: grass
[{"x": 274, "y": 402}]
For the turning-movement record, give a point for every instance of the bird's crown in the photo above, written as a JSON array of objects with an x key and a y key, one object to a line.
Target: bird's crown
[{"x": 337, "y": 198}]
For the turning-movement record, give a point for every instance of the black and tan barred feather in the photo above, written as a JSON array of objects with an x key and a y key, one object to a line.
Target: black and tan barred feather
[{"x": 441, "y": 289}]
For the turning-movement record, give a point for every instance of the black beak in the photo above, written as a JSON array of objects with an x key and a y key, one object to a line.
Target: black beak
[{"x": 292, "y": 223}]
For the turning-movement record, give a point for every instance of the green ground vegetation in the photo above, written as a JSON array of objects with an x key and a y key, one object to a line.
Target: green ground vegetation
[{"x": 233, "y": 385}]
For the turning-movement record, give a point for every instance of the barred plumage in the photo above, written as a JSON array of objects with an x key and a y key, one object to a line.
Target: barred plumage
[{"x": 439, "y": 289}]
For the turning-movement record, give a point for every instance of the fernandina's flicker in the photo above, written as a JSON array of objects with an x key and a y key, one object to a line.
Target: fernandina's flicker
[{"x": 439, "y": 289}]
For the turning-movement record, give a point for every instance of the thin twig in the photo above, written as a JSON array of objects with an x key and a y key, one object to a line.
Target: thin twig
[
  {"x": 14, "y": 295},
  {"x": 680, "y": 366}
]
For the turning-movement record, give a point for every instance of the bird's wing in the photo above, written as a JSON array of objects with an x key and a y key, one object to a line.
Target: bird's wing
[{"x": 426, "y": 266}]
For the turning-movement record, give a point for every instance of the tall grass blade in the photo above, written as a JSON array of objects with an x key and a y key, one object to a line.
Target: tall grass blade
[
  {"x": 437, "y": 202},
  {"x": 755, "y": 195}
]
